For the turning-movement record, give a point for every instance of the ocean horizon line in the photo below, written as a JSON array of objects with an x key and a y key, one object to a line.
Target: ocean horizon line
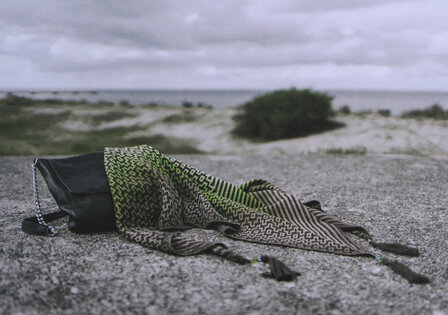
[
  {"x": 396, "y": 101},
  {"x": 61, "y": 90}
]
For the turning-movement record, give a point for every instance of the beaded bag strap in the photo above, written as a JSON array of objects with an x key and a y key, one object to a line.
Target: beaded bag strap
[{"x": 37, "y": 208}]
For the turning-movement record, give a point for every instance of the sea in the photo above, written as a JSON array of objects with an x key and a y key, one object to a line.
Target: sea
[{"x": 358, "y": 100}]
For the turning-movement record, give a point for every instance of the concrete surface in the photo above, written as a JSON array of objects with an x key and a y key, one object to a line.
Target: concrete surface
[{"x": 398, "y": 198}]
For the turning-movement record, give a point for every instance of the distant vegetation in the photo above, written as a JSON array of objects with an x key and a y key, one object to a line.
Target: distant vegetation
[
  {"x": 42, "y": 127},
  {"x": 56, "y": 127},
  {"x": 345, "y": 110},
  {"x": 356, "y": 151},
  {"x": 187, "y": 104},
  {"x": 285, "y": 114},
  {"x": 384, "y": 112},
  {"x": 13, "y": 100},
  {"x": 435, "y": 112}
]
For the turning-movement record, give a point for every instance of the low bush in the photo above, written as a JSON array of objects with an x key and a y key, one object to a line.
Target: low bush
[
  {"x": 187, "y": 104},
  {"x": 345, "y": 110},
  {"x": 185, "y": 117},
  {"x": 356, "y": 151},
  {"x": 384, "y": 112},
  {"x": 285, "y": 114},
  {"x": 125, "y": 103},
  {"x": 434, "y": 112},
  {"x": 111, "y": 116},
  {"x": 13, "y": 100},
  {"x": 363, "y": 113}
]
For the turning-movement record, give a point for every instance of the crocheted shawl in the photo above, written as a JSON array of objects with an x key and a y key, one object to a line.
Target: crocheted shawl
[{"x": 154, "y": 194}]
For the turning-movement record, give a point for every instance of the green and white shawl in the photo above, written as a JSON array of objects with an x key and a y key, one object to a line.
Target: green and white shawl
[{"x": 155, "y": 195}]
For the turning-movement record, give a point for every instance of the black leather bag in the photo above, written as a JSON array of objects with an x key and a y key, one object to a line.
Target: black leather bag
[{"x": 79, "y": 186}]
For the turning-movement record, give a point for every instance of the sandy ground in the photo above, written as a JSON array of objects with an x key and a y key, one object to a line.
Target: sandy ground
[
  {"x": 210, "y": 131},
  {"x": 375, "y": 134},
  {"x": 396, "y": 197}
]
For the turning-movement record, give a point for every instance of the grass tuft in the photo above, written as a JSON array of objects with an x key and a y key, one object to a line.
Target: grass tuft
[
  {"x": 356, "y": 151},
  {"x": 111, "y": 116}
]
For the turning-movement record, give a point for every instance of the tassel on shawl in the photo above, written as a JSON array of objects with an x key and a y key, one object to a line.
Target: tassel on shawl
[
  {"x": 396, "y": 248},
  {"x": 278, "y": 270},
  {"x": 404, "y": 271},
  {"x": 223, "y": 252},
  {"x": 313, "y": 204}
]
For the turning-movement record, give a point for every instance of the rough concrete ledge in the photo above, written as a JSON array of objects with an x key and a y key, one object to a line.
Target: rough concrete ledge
[{"x": 397, "y": 198}]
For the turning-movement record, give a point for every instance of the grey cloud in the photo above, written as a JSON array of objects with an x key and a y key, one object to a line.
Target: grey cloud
[
  {"x": 234, "y": 37},
  {"x": 140, "y": 23},
  {"x": 333, "y": 5}
]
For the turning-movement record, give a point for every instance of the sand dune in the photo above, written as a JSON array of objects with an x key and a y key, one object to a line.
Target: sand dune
[{"x": 210, "y": 131}]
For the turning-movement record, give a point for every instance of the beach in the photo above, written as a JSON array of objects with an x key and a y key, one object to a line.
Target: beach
[
  {"x": 77, "y": 128},
  {"x": 366, "y": 133}
]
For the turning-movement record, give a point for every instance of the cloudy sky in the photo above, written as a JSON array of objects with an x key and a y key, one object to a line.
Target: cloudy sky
[{"x": 261, "y": 44}]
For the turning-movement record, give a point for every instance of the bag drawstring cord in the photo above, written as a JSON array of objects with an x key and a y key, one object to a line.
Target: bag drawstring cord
[{"x": 51, "y": 230}]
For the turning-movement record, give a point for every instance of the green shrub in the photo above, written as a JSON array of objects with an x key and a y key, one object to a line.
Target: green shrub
[
  {"x": 345, "y": 110},
  {"x": 184, "y": 117},
  {"x": 285, "y": 114},
  {"x": 125, "y": 103},
  {"x": 111, "y": 116},
  {"x": 384, "y": 112},
  {"x": 360, "y": 150},
  {"x": 363, "y": 113},
  {"x": 13, "y": 100},
  {"x": 434, "y": 112},
  {"x": 187, "y": 104}
]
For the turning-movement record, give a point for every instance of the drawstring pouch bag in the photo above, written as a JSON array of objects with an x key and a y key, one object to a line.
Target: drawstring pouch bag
[{"x": 80, "y": 189}]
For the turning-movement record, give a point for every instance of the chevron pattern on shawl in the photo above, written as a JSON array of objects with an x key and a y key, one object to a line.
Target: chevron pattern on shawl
[{"x": 155, "y": 195}]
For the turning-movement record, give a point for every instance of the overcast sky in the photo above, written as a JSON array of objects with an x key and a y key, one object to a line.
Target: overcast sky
[{"x": 323, "y": 44}]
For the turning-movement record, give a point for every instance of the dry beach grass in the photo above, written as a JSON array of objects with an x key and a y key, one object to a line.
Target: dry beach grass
[{"x": 71, "y": 128}]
